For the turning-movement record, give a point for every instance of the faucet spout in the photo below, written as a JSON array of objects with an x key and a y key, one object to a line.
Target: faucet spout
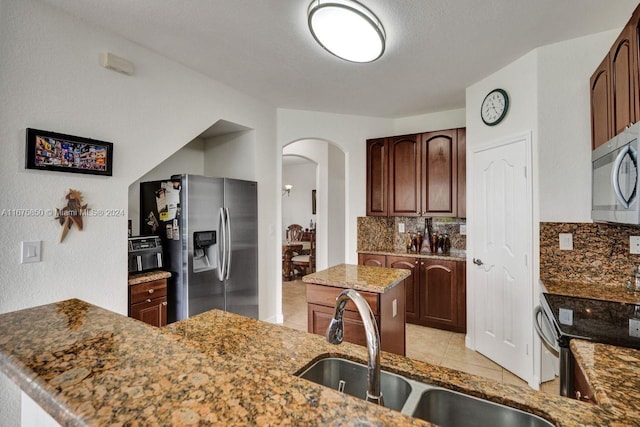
[{"x": 335, "y": 334}]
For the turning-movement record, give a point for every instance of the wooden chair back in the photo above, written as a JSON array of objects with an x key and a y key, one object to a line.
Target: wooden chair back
[{"x": 294, "y": 233}]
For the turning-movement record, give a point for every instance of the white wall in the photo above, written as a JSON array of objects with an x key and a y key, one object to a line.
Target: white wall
[
  {"x": 336, "y": 218},
  {"x": 188, "y": 159},
  {"x": 564, "y": 125},
  {"x": 549, "y": 95},
  {"x": 231, "y": 155},
  {"x": 51, "y": 80},
  {"x": 296, "y": 207},
  {"x": 450, "y": 119}
]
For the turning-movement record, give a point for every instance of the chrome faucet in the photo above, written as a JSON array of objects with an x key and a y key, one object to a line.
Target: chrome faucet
[{"x": 336, "y": 331}]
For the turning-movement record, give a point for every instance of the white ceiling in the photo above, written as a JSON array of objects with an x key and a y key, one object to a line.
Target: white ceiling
[{"x": 435, "y": 48}]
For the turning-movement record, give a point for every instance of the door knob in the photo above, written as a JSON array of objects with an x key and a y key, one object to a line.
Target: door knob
[{"x": 478, "y": 261}]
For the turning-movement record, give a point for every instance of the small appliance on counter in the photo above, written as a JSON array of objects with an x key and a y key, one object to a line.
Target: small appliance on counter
[{"x": 145, "y": 253}]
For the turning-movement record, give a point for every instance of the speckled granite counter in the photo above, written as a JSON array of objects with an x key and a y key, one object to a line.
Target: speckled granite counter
[
  {"x": 453, "y": 256},
  {"x": 613, "y": 374},
  {"x": 610, "y": 292},
  {"x": 149, "y": 276},
  {"x": 358, "y": 277},
  {"x": 88, "y": 366}
]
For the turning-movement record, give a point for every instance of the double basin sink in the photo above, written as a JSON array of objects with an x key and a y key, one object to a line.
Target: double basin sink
[{"x": 434, "y": 404}]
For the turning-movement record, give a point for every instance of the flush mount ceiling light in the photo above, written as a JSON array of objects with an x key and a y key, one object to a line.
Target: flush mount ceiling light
[{"x": 347, "y": 29}]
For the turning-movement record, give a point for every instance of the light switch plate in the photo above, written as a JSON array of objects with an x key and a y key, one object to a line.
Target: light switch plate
[
  {"x": 30, "y": 251},
  {"x": 401, "y": 227},
  {"x": 634, "y": 328},
  {"x": 463, "y": 229},
  {"x": 394, "y": 307},
  {"x": 566, "y": 316},
  {"x": 634, "y": 244},
  {"x": 566, "y": 241}
]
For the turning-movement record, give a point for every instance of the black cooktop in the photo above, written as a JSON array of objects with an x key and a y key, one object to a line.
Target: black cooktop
[{"x": 601, "y": 321}]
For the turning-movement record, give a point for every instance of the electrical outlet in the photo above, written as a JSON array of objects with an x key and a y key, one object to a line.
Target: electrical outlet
[
  {"x": 463, "y": 229},
  {"x": 566, "y": 316},
  {"x": 634, "y": 244},
  {"x": 566, "y": 241},
  {"x": 394, "y": 308},
  {"x": 634, "y": 328},
  {"x": 401, "y": 227}
]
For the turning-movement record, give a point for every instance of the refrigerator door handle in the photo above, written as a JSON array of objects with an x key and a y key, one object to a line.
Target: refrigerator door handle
[
  {"x": 222, "y": 246},
  {"x": 228, "y": 237}
]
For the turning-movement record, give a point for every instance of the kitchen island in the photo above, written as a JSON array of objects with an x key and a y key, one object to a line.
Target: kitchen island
[
  {"x": 85, "y": 365},
  {"x": 382, "y": 288}
]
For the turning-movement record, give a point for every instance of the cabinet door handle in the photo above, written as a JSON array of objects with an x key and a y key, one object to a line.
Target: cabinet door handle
[
  {"x": 148, "y": 300},
  {"x": 422, "y": 263},
  {"x": 164, "y": 303},
  {"x": 150, "y": 291},
  {"x": 416, "y": 262}
]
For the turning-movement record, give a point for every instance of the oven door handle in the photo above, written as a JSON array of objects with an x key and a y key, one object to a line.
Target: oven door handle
[{"x": 537, "y": 312}]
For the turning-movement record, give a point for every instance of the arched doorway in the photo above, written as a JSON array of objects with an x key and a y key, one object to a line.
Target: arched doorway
[{"x": 303, "y": 158}]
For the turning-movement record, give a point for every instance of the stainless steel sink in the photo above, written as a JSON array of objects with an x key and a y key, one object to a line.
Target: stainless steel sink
[
  {"x": 430, "y": 403},
  {"x": 449, "y": 408},
  {"x": 330, "y": 372}
]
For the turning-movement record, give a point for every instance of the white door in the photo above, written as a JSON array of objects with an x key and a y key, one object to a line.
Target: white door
[{"x": 501, "y": 279}]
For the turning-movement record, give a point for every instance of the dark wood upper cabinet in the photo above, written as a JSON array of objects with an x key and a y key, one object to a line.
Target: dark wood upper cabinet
[
  {"x": 623, "y": 88},
  {"x": 462, "y": 173},
  {"x": 439, "y": 173},
  {"x": 377, "y": 164},
  {"x": 615, "y": 86},
  {"x": 600, "y": 108},
  {"x": 417, "y": 175},
  {"x": 404, "y": 176}
]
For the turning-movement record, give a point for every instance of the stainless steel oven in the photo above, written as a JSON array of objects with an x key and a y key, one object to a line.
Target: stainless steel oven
[
  {"x": 561, "y": 318},
  {"x": 615, "y": 179}
]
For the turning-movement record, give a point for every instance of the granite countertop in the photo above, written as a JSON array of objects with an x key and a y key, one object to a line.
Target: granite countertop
[
  {"x": 609, "y": 292},
  {"x": 88, "y": 366},
  {"x": 613, "y": 374},
  {"x": 359, "y": 277},
  {"x": 453, "y": 256},
  {"x": 149, "y": 276}
]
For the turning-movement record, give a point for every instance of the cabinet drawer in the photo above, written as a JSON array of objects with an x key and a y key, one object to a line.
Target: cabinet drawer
[
  {"x": 149, "y": 290},
  {"x": 320, "y": 317},
  {"x": 326, "y": 295}
]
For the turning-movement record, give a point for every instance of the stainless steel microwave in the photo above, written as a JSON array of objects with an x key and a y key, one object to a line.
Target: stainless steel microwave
[{"x": 615, "y": 179}]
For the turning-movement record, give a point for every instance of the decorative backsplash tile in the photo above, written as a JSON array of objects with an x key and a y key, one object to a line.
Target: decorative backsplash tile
[
  {"x": 600, "y": 253},
  {"x": 381, "y": 233}
]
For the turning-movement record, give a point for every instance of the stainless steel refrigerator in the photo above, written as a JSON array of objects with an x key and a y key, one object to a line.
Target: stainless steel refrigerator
[{"x": 209, "y": 228}]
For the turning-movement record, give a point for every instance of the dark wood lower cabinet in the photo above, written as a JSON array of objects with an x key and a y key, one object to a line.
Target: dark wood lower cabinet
[
  {"x": 411, "y": 285},
  {"x": 435, "y": 291},
  {"x": 148, "y": 302},
  {"x": 388, "y": 310},
  {"x": 372, "y": 260},
  {"x": 581, "y": 389}
]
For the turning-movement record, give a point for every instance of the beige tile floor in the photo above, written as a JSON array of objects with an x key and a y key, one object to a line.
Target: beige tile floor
[{"x": 427, "y": 344}]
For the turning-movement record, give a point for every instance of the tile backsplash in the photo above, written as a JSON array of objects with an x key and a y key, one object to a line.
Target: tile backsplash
[
  {"x": 600, "y": 253},
  {"x": 380, "y": 234}
]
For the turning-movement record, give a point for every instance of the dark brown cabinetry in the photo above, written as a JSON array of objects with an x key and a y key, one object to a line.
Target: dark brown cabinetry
[
  {"x": 377, "y": 164},
  {"x": 148, "y": 302},
  {"x": 411, "y": 285},
  {"x": 581, "y": 388},
  {"x": 421, "y": 176},
  {"x": 462, "y": 173},
  {"x": 439, "y": 173},
  {"x": 372, "y": 260},
  {"x": 442, "y": 295},
  {"x": 387, "y": 308},
  {"x": 614, "y": 86},
  {"x": 435, "y": 292},
  {"x": 404, "y": 176},
  {"x": 600, "y": 108}
]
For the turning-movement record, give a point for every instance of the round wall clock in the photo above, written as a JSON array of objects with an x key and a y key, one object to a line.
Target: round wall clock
[{"x": 494, "y": 107}]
